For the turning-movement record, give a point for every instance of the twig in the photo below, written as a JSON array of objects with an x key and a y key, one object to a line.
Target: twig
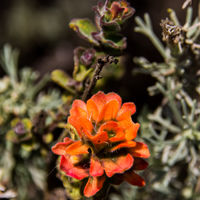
[
  {"x": 9, "y": 62},
  {"x": 173, "y": 17},
  {"x": 169, "y": 95},
  {"x": 177, "y": 155},
  {"x": 145, "y": 28},
  {"x": 164, "y": 123},
  {"x": 186, "y": 3},
  {"x": 39, "y": 86},
  {"x": 185, "y": 112},
  {"x": 188, "y": 20},
  {"x": 98, "y": 68}
]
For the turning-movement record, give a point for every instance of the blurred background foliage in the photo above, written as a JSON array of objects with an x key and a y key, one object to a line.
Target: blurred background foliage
[{"x": 40, "y": 30}]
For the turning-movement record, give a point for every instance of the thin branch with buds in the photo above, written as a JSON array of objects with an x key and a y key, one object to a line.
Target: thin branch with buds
[{"x": 98, "y": 68}]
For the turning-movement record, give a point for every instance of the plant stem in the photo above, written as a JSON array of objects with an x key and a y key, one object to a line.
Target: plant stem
[
  {"x": 173, "y": 17},
  {"x": 168, "y": 94},
  {"x": 188, "y": 18},
  {"x": 39, "y": 86},
  {"x": 186, "y": 3},
  {"x": 147, "y": 30},
  {"x": 98, "y": 68}
]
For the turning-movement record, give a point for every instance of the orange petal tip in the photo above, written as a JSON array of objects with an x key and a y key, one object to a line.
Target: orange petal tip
[
  {"x": 93, "y": 185},
  {"x": 140, "y": 150},
  {"x": 96, "y": 168},
  {"x": 74, "y": 171},
  {"x": 134, "y": 179},
  {"x": 117, "y": 165}
]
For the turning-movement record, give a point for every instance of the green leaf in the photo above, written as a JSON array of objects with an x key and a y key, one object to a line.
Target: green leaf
[
  {"x": 114, "y": 41},
  {"x": 85, "y": 28},
  {"x": 83, "y": 73},
  {"x": 62, "y": 79}
]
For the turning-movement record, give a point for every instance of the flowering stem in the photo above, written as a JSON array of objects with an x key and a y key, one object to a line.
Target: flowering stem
[{"x": 98, "y": 68}]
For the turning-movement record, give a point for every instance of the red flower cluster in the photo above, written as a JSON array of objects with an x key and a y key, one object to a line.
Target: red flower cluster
[
  {"x": 113, "y": 12},
  {"x": 118, "y": 9},
  {"x": 106, "y": 149}
]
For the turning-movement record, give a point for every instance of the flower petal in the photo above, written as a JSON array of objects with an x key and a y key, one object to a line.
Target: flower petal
[
  {"x": 93, "y": 112},
  {"x": 126, "y": 123},
  {"x": 78, "y": 109},
  {"x": 109, "y": 111},
  {"x": 100, "y": 100},
  {"x": 130, "y": 128},
  {"x": 111, "y": 96},
  {"x": 131, "y": 132},
  {"x": 81, "y": 125},
  {"x": 67, "y": 166},
  {"x": 99, "y": 138},
  {"x": 117, "y": 165},
  {"x": 109, "y": 126},
  {"x": 115, "y": 133},
  {"x": 126, "y": 110},
  {"x": 60, "y": 147},
  {"x": 139, "y": 164},
  {"x": 93, "y": 185},
  {"x": 118, "y": 137},
  {"x": 127, "y": 144},
  {"x": 77, "y": 148},
  {"x": 140, "y": 150},
  {"x": 116, "y": 9},
  {"x": 66, "y": 139},
  {"x": 96, "y": 168},
  {"x": 133, "y": 178}
]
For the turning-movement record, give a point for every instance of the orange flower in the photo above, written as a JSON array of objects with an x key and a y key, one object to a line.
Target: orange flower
[{"x": 106, "y": 149}]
